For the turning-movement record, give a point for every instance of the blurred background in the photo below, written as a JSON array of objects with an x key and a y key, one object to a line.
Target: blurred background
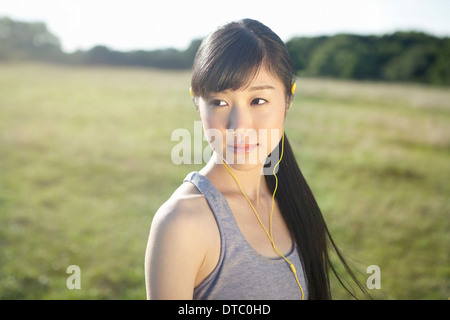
[{"x": 91, "y": 91}]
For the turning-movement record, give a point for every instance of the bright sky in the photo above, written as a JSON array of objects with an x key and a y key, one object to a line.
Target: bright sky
[{"x": 146, "y": 24}]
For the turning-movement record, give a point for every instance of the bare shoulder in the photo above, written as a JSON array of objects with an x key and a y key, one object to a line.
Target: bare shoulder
[
  {"x": 178, "y": 245},
  {"x": 186, "y": 207},
  {"x": 183, "y": 246},
  {"x": 186, "y": 221}
]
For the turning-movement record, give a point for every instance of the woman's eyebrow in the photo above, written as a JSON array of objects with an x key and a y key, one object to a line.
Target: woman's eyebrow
[{"x": 261, "y": 87}]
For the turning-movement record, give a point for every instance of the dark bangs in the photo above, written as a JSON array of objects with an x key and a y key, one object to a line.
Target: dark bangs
[{"x": 230, "y": 58}]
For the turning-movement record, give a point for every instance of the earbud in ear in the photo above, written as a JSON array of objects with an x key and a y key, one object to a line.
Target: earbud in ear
[
  {"x": 193, "y": 97},
  {"x": 293, "y": 88}
]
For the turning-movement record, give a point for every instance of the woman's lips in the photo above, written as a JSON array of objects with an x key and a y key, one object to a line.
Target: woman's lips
[{"x": 242, "y": 148}]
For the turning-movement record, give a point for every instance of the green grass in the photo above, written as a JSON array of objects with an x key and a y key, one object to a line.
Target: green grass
[{"x": 85, "y": 163}]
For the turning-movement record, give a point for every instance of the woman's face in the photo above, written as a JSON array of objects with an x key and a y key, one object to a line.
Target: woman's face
[{"x": 245, "y": 125}]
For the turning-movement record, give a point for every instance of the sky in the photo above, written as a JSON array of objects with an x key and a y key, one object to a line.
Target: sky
[{"x": 146, "y": 24}]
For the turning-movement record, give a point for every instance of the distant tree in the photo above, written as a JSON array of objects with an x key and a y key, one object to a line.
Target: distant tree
[
  {"x": 163, "y": 58},
  {"x": 410, "y": 55},
  {"x": 439, "y": 72},
  {"x": 401, "y": 56},
  {"x": 344, "y": 56},
  {"x": 20, "y": 40},
  {"x": 302, "y": 49},
  {"x": 190, "y": 52},
  {"x": 103, "y": 55},
  {"x": 411, "y": 64}
]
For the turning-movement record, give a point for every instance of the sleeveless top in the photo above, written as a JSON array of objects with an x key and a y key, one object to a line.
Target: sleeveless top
[{"x": 241, "y": 272}]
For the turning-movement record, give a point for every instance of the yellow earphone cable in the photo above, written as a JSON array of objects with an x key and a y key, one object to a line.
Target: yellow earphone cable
[{"x": 269, "y": 235}]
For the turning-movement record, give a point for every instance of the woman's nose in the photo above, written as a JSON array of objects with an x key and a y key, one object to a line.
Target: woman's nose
[{"x": 239, "y": 118}]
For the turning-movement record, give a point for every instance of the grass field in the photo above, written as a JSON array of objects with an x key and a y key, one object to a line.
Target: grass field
[{"x": 85, "y": 163}]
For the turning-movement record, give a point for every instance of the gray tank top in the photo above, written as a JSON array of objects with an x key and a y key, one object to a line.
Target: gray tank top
[{"x": 241, "y": 272}]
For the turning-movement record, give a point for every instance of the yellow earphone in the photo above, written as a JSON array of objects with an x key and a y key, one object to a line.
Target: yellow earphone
[
  {"x": 191, "y": 92},
  {"x": 270, "y": 234},
  {"x": 293, "y": 88}
]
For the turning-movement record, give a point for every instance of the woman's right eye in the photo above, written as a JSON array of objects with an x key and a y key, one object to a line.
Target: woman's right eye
[{"x": 217, "y": 103}]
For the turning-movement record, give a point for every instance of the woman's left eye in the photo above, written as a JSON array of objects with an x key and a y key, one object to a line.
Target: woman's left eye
[{"x": 258, "y": 101}]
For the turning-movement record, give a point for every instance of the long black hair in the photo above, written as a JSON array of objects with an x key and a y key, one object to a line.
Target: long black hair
[{"x": 229, "y": 58}]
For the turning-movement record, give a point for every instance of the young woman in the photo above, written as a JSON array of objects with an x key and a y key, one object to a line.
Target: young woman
[{"x": 232, "y": 231}]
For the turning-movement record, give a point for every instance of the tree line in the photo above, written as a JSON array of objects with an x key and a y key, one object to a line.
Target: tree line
[{"x": 400, "y": 56}]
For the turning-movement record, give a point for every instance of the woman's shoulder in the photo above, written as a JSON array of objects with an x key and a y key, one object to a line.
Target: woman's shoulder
[
  {"x": 184, "y": 243},
  {"x": 187, "y": 208}
]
